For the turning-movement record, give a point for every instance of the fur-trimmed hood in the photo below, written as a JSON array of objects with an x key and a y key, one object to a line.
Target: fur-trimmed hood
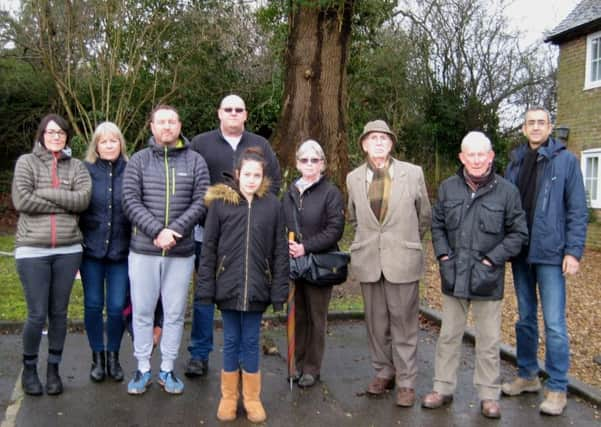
[{"x": 230, "y": 193}]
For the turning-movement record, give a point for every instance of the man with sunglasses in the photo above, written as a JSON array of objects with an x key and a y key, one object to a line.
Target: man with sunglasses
[{"x": 220, "y": 149}]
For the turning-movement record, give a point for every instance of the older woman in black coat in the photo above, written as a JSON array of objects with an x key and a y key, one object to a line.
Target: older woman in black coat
[{"x": 314, "y": 211}]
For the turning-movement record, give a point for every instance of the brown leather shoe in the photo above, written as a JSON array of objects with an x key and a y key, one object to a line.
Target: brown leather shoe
[
  {"x": 434, "y": 400},
  {"x": 379, "y": 385},
  {"x": 490, "y": 408},
  {"x": 405, "y": 397}
]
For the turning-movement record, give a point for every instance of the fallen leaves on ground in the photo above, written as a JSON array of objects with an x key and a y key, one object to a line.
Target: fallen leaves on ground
[{"x": 583, "y": 313}]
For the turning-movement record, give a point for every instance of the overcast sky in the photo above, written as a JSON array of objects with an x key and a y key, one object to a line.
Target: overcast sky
[{"x": 536, "y": 16}]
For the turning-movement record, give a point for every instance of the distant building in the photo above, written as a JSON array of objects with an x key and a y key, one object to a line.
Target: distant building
[{"x": 579, "y": 89}]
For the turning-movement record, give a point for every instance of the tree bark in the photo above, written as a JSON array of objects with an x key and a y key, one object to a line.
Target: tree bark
[{"x": 315, "y": 98}]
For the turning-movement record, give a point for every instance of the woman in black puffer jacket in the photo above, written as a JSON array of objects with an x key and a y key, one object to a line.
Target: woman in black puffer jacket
[
  {"x": 106, "y": 232},
  {"x": 319, "y": 224},
  {"x": 243, "y": 268}
]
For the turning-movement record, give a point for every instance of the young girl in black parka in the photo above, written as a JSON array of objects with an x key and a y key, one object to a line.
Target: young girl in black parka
[{"x": 243, "y": 268}]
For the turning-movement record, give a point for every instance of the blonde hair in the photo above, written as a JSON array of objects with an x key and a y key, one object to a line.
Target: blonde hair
[
  {"x": 104, "y": 128},
  {"x": 312, "y": 145}
]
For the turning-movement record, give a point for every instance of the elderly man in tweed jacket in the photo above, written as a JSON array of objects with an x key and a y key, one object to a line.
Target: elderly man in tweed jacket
[{"x": 389, "y": 207}]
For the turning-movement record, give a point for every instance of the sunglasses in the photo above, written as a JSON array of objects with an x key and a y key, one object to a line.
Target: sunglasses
[
  {"x": 230, "y": 109},
  {"x": 313, "y": 161}
]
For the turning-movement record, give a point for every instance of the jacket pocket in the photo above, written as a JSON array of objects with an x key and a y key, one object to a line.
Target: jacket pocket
[
  {"x": 485, "y": 280},
  {"x": 491, "y": 219},
  {"x": 452, "y": 213},
  {"x": 447, "y": 274}
]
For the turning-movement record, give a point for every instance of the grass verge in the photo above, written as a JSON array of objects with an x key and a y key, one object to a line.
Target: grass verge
[{"x": 14, "y": 308}]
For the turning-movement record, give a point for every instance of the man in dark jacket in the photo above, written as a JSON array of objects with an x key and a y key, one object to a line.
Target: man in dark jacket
[
  {"x": 220, "y": 148},
  {"x": 552, "y": 190},
  {"x": 163, "y": 191},
  {"x": 477, "y": 225}
]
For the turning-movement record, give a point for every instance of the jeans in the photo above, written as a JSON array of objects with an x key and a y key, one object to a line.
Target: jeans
[
  {"x": 95, "y": 275},
  {"x": 551, "y": 287},
  {"x": 201, "y": 337},
  {"x": 47, "y": 283},
  {"x": 241, "y": 334}
]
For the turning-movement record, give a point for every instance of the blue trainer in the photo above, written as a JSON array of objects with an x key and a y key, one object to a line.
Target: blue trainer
[
  {"x": 170, "y": 383},
  {"x": 139, "y": 383}
]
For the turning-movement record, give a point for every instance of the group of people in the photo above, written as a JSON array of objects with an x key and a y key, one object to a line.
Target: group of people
[
  {"x": 536, "y": 218},
  {"x": 208, "y": 209}
]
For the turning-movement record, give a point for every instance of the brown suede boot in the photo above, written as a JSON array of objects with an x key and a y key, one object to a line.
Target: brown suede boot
[
  {"x": 251, "y": 391},
  {"x": 229, "y": 396}
]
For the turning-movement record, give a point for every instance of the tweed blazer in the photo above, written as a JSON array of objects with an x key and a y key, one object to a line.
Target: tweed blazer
[{"x": 392, "y": 248}]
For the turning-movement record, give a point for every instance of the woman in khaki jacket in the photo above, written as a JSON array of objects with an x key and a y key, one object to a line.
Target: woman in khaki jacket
[
  {"x": 389, "y": 207},
  {"x": 50, "y": 189}
]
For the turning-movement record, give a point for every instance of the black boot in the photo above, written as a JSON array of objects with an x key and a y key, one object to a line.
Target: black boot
[
  {"x": 113, "y": 367},
  {"x": 98, "y": 362},
  {"x": 30, "y": 381},
  {"x": 54, "y": 385}
]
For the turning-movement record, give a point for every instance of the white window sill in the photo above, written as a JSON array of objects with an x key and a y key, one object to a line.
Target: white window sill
[{"x": 592, "y": 85}]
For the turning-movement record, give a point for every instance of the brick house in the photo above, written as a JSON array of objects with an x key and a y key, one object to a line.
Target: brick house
[{"x": 579, "y": 89}]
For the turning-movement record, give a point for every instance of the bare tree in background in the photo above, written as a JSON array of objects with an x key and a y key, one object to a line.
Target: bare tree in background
[
  {"x": 467, "y": 44},
  {"x": 114, "y": 59}
]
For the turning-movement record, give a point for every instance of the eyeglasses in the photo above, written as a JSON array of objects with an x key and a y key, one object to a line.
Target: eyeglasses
[
  {"x": 230, "y": 109},
  {"x": 54, "y": 133},
  {"x": 313, "y": 161}
]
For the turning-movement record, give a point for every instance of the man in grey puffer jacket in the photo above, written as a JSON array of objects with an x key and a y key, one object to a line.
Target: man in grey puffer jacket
[{"x": 163, "y": 190}]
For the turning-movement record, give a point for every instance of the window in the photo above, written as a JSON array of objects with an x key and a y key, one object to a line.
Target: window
[
  {"x": 589, "y": 162},
  {"x": 593, "y": 61}
]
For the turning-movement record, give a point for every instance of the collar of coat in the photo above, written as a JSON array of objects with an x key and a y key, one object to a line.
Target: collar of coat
[
  {"x": 182, "y": 143},
  {"x": 549, "y": 149},
  {"x": 230, "y": 193},
  {"x": 42, "y": 152}
]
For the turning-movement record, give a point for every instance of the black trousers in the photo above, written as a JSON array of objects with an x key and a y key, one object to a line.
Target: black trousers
[{"x": 47, "y": 283}]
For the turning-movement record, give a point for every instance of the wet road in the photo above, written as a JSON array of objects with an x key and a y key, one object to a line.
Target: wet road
[{"x": 338, "y": 399}]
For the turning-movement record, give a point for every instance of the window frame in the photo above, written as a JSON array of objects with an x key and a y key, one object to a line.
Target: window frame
[
  {"x": 584, "y": 156},
  {"x": 588, "y": 84}
]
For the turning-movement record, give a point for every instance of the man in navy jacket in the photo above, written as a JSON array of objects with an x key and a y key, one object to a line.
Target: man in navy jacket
[
  {"x": 220, "y": 149},
  {"x": 552, "y": 190}
]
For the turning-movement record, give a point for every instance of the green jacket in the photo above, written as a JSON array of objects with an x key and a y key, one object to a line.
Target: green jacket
[{"x": 48, "y": 215}]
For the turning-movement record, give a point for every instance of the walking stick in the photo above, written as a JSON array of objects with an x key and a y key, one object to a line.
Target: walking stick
[{"x": 291, "y": 326}]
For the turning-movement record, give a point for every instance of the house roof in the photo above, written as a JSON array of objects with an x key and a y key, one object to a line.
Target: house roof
[{"x": 584, "y": 19}]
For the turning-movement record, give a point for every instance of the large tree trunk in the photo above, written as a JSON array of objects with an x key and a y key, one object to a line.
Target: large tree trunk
[{"x": 315, "y": 98}]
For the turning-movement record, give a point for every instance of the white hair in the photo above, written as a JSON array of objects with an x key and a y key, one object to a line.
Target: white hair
[
  {"x": 475, "y": 139},
  {"x": 310, "y": 145}
]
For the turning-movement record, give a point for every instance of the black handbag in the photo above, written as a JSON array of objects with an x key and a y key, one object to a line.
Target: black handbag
[{"x": 323, "y": 269}]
